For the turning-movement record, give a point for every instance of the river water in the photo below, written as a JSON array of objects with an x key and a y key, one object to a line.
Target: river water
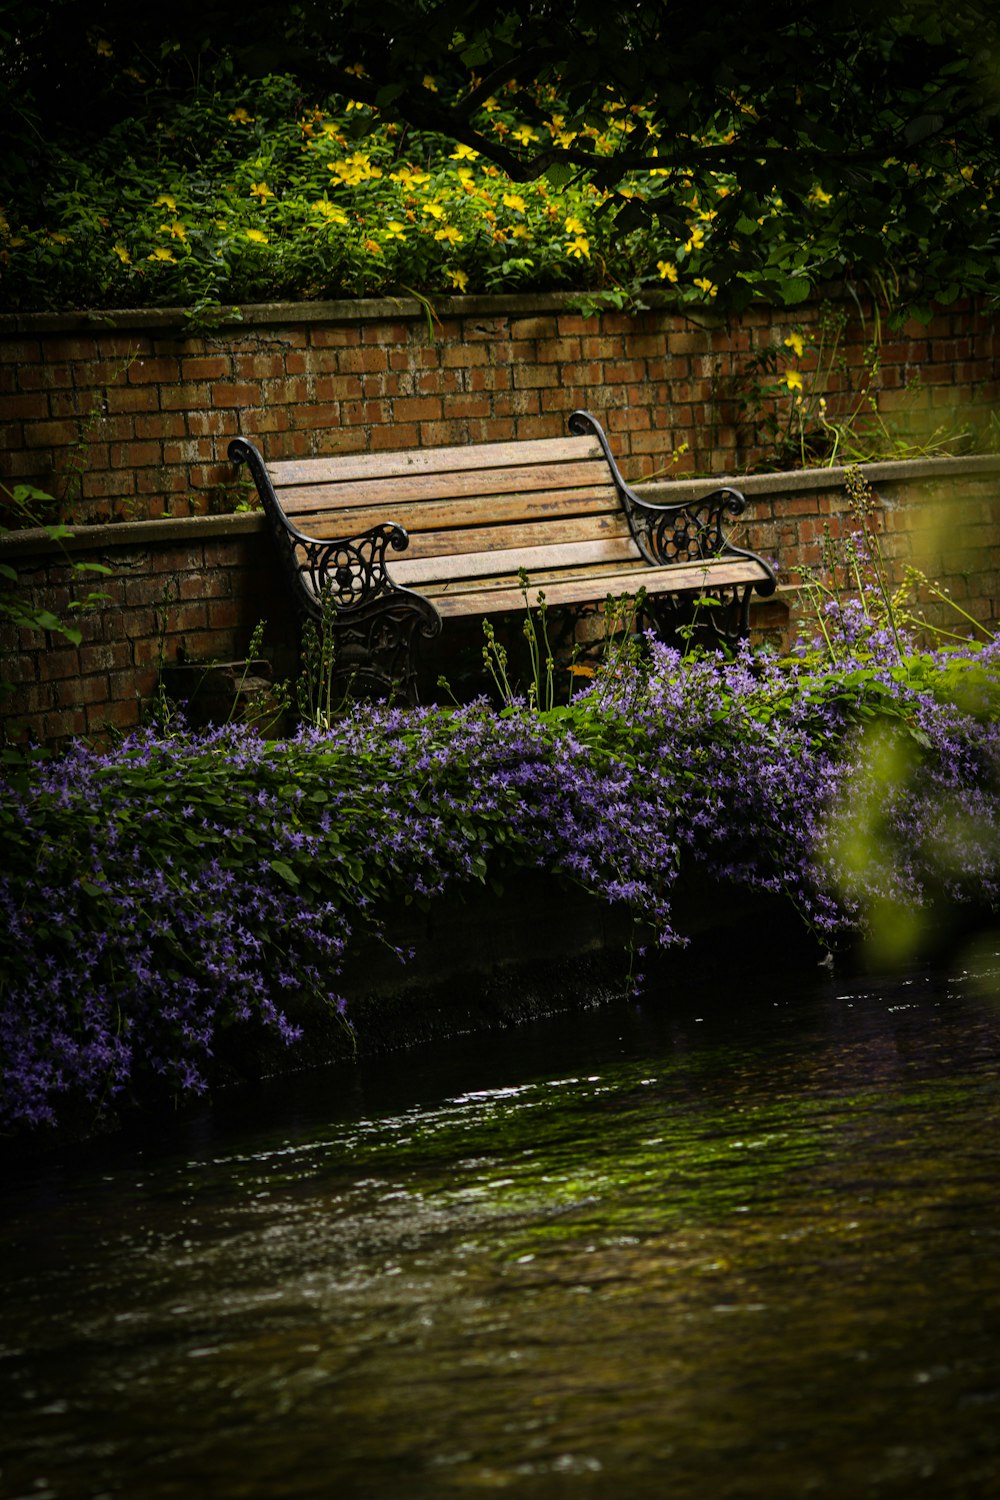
[{"x": 724, "y": 1246}]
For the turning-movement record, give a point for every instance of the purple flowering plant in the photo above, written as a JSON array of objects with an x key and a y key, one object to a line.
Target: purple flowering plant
[{"x": 180, "y": 884}]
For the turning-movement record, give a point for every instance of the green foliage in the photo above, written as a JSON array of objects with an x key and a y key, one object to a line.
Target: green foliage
[
  {"x": 789, "y": 391},
  {"x": 26, "y": 506},
  {"x": 200, "y": 155}
]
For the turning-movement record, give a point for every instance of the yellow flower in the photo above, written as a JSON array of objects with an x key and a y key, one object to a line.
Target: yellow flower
[
  {"x": 463, "y": 153},
  {"x": 706, "y": 286},
  {"x": 395, "y": 230},
  {"x": 696, "y": 241},
  {"x": 524, "y": 135},
  {"x": 410, "y": 177},
  {"x": 449, "y": 233},
  {"x": 358, "y": 69},
  {"x": 176, "y": 230},
  {"x": 433, "y": 210},
  {"x": 165, "y": 201},
  {"x": 58, "y": 237},
  {"x": 257, "y": 235},
  {"x": 459, "y": 279},
  {"x": 515, "y": 201},
  {"x": 240, "y": 116},
  {"x": 330, "y": 211},
  {"x": 793, "y": 380},
  {"x": 260, "y": 190},
  {"x": 373, "y": 247},
  {"x": 818, "y": 196},
  {"x": 574, "y": 226},
  {"x": 667, "y": 270},
  {"x": 122, "y": 254},
  {"x": 162, "y": 254},
  {"x": 795, "y": 343},
  {"x": 104, "y": 49},
  {"x": 356, "y": 168},
  {"x": 580, "y": 247},
  {"x": 430, "y": 83}
]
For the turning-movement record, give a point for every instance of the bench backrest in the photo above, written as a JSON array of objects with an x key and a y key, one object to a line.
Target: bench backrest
[{"x": 467, "y": 510}]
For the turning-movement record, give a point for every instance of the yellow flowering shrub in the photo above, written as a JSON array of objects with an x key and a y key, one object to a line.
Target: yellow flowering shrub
[{"x": 265, "y": 197}]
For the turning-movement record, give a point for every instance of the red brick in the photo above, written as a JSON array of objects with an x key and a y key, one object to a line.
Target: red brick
[
  {"x": 224, "y": 614},
  {"x": 51, "y": 434},
  {"x": 337, "y": 387},
  {"x": 206, "y": 367},
  {"x": 19, "y": 351},
  {"x": 66, "y": 725},
  {"x": 121, "y": 715},
  {"x": 534, "y": 377},
  {"x": 148, "y": 371},
  {"x": 32, "y": 407},
  {"x": 135, "y": 455},
  {"x": 144, "y": 400},
  {"x": 78, "y": 691},
  {"x": 397, "y": 437},
  {"x": 335, "y": 338},
  {"x": 462, "y": 356},
  {"x": 235, "y": 393},
  {"x": 416, "y": 408},
  {"x": 44, "y": 377},
  {"x": 354, "y": 361}
]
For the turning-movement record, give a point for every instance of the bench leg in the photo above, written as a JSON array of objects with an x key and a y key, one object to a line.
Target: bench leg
[{"x": 721, "y": 617}]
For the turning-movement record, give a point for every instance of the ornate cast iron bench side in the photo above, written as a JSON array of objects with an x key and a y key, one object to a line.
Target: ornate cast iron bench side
[
  {"x": 376, "y": 623},
  {"x": 688, "y": 532}
]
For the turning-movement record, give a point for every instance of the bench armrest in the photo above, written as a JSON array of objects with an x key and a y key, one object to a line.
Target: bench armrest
[
  {"x": 349, "y": 572},
  {"x": 691, "y": 530},
  {"x": 681, "y": 532}
]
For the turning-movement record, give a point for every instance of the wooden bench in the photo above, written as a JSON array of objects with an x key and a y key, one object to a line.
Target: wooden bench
[{"x": 470, "y": 519}]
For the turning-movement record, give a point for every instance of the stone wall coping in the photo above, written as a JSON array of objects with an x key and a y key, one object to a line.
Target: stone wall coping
[
  {"x": 180, "y": 322},
  {"x": 247, "y": 523},
  {"x": 808, "y": 481},
  {"x": 133, "y": 533},
  {"x": 670, "y": 491}
]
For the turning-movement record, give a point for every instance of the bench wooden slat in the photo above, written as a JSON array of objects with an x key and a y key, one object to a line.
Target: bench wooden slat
[
  {"x": 442, "y": 515},
  {"x": 489, "y": 596},
  {"x": 481, "y": 457},
  {"x": 467, "y": 485},
  {"x": 540, "y": 533},
  {"x": 488, "y": 563}
]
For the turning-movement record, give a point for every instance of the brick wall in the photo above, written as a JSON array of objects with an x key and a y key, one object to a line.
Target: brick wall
[
  {"x": 194, "y": 589},
  {"x": 127, "y": 418},
  {"x": 132, "y": 421}
]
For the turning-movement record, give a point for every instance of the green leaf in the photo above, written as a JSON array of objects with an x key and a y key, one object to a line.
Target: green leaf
[
  {"x": 280, "y": 867},
  {"x": 559, "y": 173},
  {"x": 796, "y": 289}
]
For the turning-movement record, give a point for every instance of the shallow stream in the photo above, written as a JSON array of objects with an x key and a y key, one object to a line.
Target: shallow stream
[{"x": 725, "y": 1247}]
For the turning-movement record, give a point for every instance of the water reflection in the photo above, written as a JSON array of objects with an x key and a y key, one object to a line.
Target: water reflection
[{"x": 684, "y": 1249}]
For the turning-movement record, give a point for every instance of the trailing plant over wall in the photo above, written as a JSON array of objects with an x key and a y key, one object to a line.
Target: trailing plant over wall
[
  {"x": 25, "y": 506},
  {"x": 177, "y": 886}
]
